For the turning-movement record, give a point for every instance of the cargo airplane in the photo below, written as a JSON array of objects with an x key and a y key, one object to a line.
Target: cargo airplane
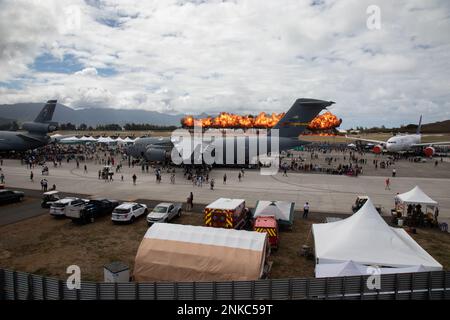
[
  {"x": 35, "y": 134},
  {"x": 287, "y": 131}
]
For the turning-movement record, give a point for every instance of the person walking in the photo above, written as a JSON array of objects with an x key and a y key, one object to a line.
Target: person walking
[
  {"x": 239, "y": 177},
  {"x": 388, "y": 184},
  {"x": 225, "y": 178},
  {"x": 134, "y": 179},
  {"x": 190, "y": 202},
  {"x": 85, "y": 169},
  {"x": 212, "y": 184},
  {"x": 305, "y": 210},
  {"x": 31, "y": 176},
  {"x": 2, "y": 178},
  {"x": 394, "y": 172}
]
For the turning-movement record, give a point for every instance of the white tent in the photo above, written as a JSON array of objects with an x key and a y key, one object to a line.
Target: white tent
[
  {"x": 88, "y": 139},
  {"x": 72, "y": 139},
  {"x": 366, "y": 239},
  {"x": 351, "y": 268},
  {"x": 129, "y": 140},
  {"x": 416, "y": 195},
  {"x": 105, "y": 140},
  {"x": 282, "y": 210}
]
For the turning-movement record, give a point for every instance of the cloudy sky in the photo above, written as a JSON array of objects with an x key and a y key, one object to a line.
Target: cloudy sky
[{"x": 180, "y": 56}]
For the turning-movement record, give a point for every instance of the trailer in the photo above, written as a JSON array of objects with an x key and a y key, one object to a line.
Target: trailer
[{"x": 226, "y": 213}]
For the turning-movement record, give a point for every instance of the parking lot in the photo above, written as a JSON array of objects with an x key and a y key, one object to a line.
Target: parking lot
[{"x": 41, "y": 244}]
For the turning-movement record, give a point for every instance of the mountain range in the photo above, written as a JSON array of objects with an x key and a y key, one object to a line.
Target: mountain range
[{"x": 22, "y": 112}]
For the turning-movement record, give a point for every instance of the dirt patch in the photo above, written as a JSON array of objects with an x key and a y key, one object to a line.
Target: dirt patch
[{"x": 47, "y": 246}]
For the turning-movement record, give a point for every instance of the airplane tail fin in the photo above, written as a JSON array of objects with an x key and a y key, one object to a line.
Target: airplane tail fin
[
  {"x": 46, "y": 113},
  {"x": 419, "y": 128},
  {"x": 297, "y": 119}
]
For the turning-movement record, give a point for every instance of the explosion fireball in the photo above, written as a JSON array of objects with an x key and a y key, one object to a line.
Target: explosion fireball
[{"x": 324, "y": 121}]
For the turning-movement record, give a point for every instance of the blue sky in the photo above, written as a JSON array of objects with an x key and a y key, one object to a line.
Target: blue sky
[{"x": 244, "y": 56}]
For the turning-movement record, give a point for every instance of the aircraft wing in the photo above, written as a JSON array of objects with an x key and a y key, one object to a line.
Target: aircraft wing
[
  {"x": 367, "y": 140},
  {"x": 28, "y": 138},
  {"x": 430, "y": 144},
  {"x": 198, "y": 149}
]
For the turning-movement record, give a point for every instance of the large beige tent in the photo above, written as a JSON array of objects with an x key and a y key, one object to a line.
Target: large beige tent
[
  {"x": 172, "y": 252},
  {"x": 366, "y": 239}
]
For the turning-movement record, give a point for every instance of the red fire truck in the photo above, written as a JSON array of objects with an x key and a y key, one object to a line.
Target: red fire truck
[{"x": 269, "y": 225}]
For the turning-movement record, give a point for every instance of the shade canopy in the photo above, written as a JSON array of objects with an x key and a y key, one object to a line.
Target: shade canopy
[
  {"x": 416, "y": 195},
  {"x": 282, "y": 210},
  {"x": 367, "y": 239},
  {"x": 72, "y": 139},
  {"x": 174, "y": 252},
  {"x": 105, "y": 140}
]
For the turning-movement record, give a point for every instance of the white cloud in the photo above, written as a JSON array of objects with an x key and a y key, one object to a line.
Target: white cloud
[
  {"x": 87, "y": 72},
  {"x": 242, "y": 56}
]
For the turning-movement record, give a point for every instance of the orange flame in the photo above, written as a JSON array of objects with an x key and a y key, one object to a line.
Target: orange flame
[
  {"x": 262, "y": 120},
  {"x": 325, "y": 121}
]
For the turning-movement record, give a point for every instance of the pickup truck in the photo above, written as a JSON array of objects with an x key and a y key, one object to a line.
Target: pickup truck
[
  {"x": 92, "y": 209},
  {"x": 164, "y": 212}
]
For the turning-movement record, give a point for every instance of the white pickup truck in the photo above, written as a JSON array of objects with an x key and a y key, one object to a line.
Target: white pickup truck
[{"x": 164, "y": 212}]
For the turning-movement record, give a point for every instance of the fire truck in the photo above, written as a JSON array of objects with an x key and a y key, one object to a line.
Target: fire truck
[
  {"x": 226, "y": 213},
  {"x": 269, "y": 225}
]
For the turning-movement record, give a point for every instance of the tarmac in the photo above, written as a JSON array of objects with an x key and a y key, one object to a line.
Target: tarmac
[{"x": 325, "y": 193}]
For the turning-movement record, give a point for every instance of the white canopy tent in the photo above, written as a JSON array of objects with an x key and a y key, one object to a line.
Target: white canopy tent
[
  {"x": 70, "y": 140},
  {"x": 351, "y": 268},
  {"x": 106, "y": 140},
  {"x": 129, "y": 140},
  {"x": 88, "y": 139},
  {"x": 366, "y": 239},
  {"x": 416, "y": 196}
]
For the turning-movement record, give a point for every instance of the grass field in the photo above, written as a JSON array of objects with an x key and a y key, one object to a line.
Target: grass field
[{"x": 47, "y": 246}]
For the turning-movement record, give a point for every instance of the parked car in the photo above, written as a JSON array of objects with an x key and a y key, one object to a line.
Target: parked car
[
  {"x": 164, "y": 212},
  {"x": 7, "y": 196},
  {"x": 128, "y": 212},
  {"x": 92, "y": 209},
  {"x": 49, "y": 197},
  {"x": 61, "y": 207}
]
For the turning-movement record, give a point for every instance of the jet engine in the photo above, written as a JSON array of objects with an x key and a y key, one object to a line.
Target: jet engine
[
  {"x": 155, "y": 154},
  {"x": 40, "y": 127},
  {"x": 429, "y": 151},
  {"x": 377, "y": 149}
]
